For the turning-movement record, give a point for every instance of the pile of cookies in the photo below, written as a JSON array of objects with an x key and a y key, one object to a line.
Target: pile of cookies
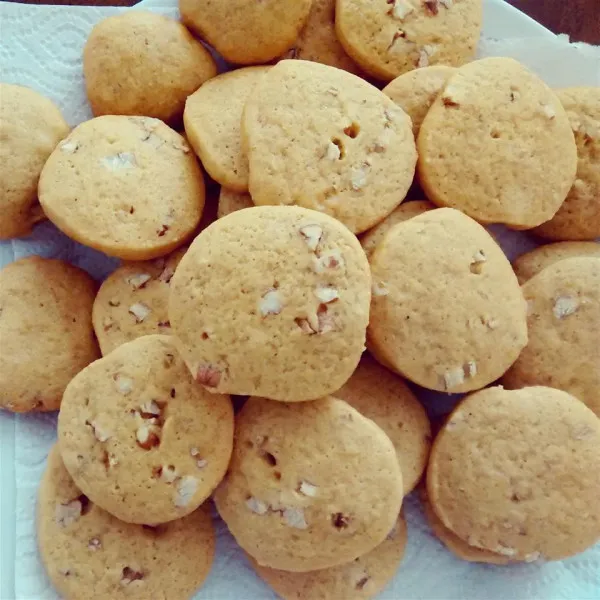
[{"x": 265, "y": 294}]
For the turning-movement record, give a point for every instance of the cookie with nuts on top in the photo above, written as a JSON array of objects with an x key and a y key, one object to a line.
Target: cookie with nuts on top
[
  {"x": 311, "y": 485},
  {"x": 133, "y": 301},
  {"x": 486, "y": 143},
  {"x": 246, "y": 32},
  {"x": 142, "y": 63},
  {"x": 230, "y": 201},
  {"x": 140, "y": 438},
  {"x": 356, "y": 156},
  {"x": 531, "y": 263},
  {"x": 46, "y": 334},
  {"x": 362, "y": 578},
  {"x": 447, "y": 311},
  {"x": 516, "y": 473},
  {"x": 87, "y": 553},
  {"x": 390, "y": 37},
  {"x": 215, "y": 133},
  {"x": 578, "y": 218},
  {"x": 272, "y": 300},
  {"x": 128, "y": 186},
  {"x": 383, "y": 397},
  {"x": 563, "y": 319},
  {"x": 415, "y": 91},
  {"x": 30, "y": 128}
]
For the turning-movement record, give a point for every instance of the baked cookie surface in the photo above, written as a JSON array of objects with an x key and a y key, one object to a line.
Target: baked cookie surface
[{"x": 230, "y": 201}]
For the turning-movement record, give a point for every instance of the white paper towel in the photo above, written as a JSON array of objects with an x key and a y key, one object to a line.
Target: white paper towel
[{"x": 41, "y": 47}]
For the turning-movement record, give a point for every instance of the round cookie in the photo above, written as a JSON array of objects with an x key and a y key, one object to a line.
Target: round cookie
[
  {"x": 383, "y": 397},
  {"x": 318, "y": 40},
  {"x": 30, "y": 128},
  {"x": 564, "y": 330},
  {"x": 281, "y": 286},
  {"x": 531, "y": 263},
  {"x": 415, "y": 91},
  {"x": 362, "y": 578},
  {"x": 143, "y": 63},
  {"x": 486, "y": 143},
  {"x": 515, "y": 472},
  {"x": 407, "y": 210},
  {"x": 140, "y": 438},
  {"x": 127, "y": 186},
  {"x": 133, "y": 301},
  {"x": 212, "y": 120},
  {"x": 578, "y": 218},
  {"x": 88, "y": 553},
  {"x": 302, "y": 492},
  {"x": 447, "y": 311},
  {"x": 390, "y": 37},
  {"x": 356, "y": 157},
  {"x": 46, "y": 334},
  {"x": 230, "y": 201},
  {"x": 245, "y": 31}
]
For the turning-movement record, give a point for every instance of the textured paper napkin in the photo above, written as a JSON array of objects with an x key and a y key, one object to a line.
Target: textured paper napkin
[{"x": 41, "y": 47}]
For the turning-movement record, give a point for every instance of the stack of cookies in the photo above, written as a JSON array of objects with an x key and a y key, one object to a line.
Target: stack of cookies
[{"x": 269, "y": 290}]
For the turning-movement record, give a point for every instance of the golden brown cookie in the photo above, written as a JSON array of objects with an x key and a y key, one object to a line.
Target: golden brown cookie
[
  {"x": 355, "y": 158},
  {"x": 531, "y": 263},
  {"x": 310, "y": 486},
  {"x": 140, "y": 438},
  {"x": 143, "y": 63},
  {"x": 133, "y": 301},
  {"x": 390, "y": 37},
  {"x": 128, "y": 186},
  {"x": 579, "y": 216},
  {"x": 277, "y": 286},
  {"x": 88, "y": 553},
  {"x": 46, "y": 334},
  {"x": 516, "y": 473},
  {"x": 30, "y": 128},
  {"x": 563, "y": 319},
  {"x": 245, "y": 31},
  {"x": 362, "y": 578},
  {"x": 383, "y": 397},
  {"x": 447, "y": 311},
  {"x": 486, "y": 143},
  {"x": 407, "y": 210},
  {"x": 415, "y": 91},
  {"x": 212, "y": 121},
  {"x": 230, "y": 201}
]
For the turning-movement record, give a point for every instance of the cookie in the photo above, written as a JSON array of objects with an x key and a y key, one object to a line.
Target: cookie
[
  {"x": 578, "y": 218},
  {"x": 390, "y": 37},
  {"x": 230, "y": 201},
  {"x": 318, "y": 40},
  {"x": 362, "y": 578},
  {"x": 531, "y": 263},
  {"x": 214, "y": 132},
  {"x": 310, "y": 485},
  {"x": 140, "y": 438},
  {"x": 30, "y": 128},
  {"x": 563, "y": 319},
  {"x": 281, "y": 286},
  {"x": 486, "y": 143},
  {"x": 356, "y": 157},
  {"x": 407, "y": 210},
  {"x": 127, "y": 186},
  {"x": 511, "y": 472},
  {"x": 133, "y": 301},
  {"x": 88, "y": 553},
  {"x": 46, "y": 334},
  {"x": 455, "y": 544},
  {"x": 245, "y": 31},
  {"x": 384, "y": 398},
  {"x": 143, "y": 63},
  {"x": 447, "y": 311},
  {"x": 415, "y": 91}
]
